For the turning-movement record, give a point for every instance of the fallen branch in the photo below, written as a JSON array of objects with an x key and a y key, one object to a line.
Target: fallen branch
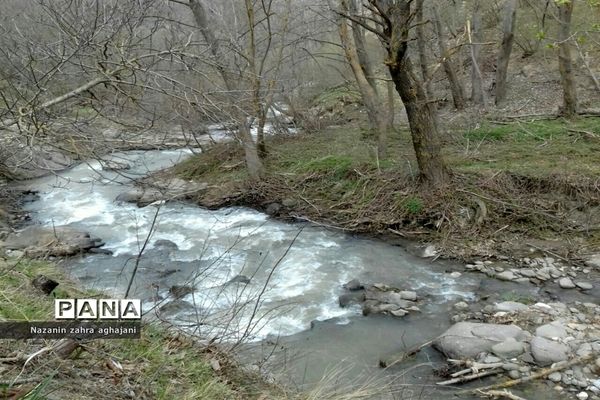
[
  {"x": 403, "y": 355},
  {"x": 541, "y": 374},
  {"x": 468, "y": 378},
  {"x": 501, "y": 393}
]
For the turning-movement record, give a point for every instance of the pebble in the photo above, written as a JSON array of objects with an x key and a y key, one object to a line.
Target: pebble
[
  {"x": 527, "y": 272},
  {"x": 461, "y": 306},
  {"x": 455, "y": 274},
  {"x": 566, "y": 283},
  {"x": 514, "y": 374},
  {"x": 506, "y": 276},
  {"x": 582, "y": 396},
  {"x": 555, "y": 377}
]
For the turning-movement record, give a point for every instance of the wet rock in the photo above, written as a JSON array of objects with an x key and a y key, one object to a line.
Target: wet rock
[
  {"x": 510, "y": 348},
  {"x": 60, "y": 241},
  {"x": 388, "y": 297},
  {"x": 455, "y": 275},
  {"x": 130, "y": 196},
  {"x": 408, "y": 295},
  {"x": 566, "y": 283},
  {"x": 348, "y": 299},
  {"x": 510, "y": 306},
  {"x": 546, "y": 352},
  {"x": 165, "y": 244},
  {"x": 584, "y": 285},
  {"x": 354, "y": 285},
  {"x": 429, "y": 251},
  {"x": 97, "y": 250},
  {"x": 243, "y": 279},
  {"x": 461, "y": 306},
  {"x": 506, "y": 276},
  {"x": 551, "y": 331},
  {"x": 179, "y": 291},
  {"x": 468, "y": 339},
  {"x": 273, "y": 208},
  {"x": 111, "y": 165}
]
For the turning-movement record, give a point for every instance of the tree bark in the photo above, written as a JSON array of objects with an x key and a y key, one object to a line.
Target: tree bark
[
  {"x": 376, "y": 110},
  {"x": 475, "y": 40},
  {"x": 456, "y": 88},
  {"x": 508, "y": 36},
  {"x": 420, "y": 112},
  {"x": 423, "y": 63},
  {"x": 565, "y": 64},
  {"x": 253, "y": 161}
]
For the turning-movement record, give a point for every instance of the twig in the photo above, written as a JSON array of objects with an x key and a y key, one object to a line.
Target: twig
[
  {"x": 541, "y": 374},
  {"x": 469, "y": 378},
  {"x": 501, "y": 393},
  {"x": 396, "y": 358}
]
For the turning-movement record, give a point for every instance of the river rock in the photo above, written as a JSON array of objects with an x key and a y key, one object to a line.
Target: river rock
[
  {"x": 527, "y": 272},
  {"x": 348, "y": 299},
  {"x": 510, "y": 306},
  {"x": 111, "y": 165},
  {"x": 593, "y": 261},
  {"x": 584, "y": 285},
  {"x": 546, "y": 352},
  {"x": 506, "y": 276},
  {"x": 509, "y": 348},
  {"x": 555, "y": 377},
  {"x": 273, "y": 208},
  {"x": 388, "y": 297},
  {"x": 552, "y": 330},
  {"x": 354, "y": 285},
  {"x": 59, "y": 241},
  {"x": 165, "y": 244},
  {"x": 566, "y": 283},
  {"x": 179, "y": 291},
  {"x": 243, "y": 279},
  {"x": 176, "y": 306},
  {"x": 468, "y": 339},
  {"x": 408, "y": 295}
]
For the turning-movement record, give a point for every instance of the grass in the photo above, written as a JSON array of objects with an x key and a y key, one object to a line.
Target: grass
[
  {"x": 158, "y": 366},
  {"x": 530, "y": 176}
]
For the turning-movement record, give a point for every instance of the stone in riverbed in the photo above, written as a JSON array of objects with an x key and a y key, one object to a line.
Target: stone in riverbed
[
  {"x": 506, "y": 276},
  {"x": 509, "y": 348},
  {"x": 510, "y": 306},
  {"x": 59, "y": 241},
  {"x": 528, "y": 272},
  {"x": 552, "y": 330},
  {"x": 566, "y": 283},
  {"x": 555, "y": 377},
  {"x": 546, "y": 352},
  {"x": 408, "y": 295},
  {"x": 354, "y": 285},
  {"x": 584, "y": 285},
  {"x": 468, "y": 339},
  {"x": 347, "y": 299}
]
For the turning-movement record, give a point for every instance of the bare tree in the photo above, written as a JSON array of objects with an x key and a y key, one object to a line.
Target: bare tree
[
  {"x": 394, "y": 21},
  {"x": 355, "y": 50},
  {"x": 456, "y": 88},
  {"x": 565, "y": 64},
  {"x": 475, "y": 32},
  {"x": 423, "y": 63},
  {"x": 508, "y": 35}
]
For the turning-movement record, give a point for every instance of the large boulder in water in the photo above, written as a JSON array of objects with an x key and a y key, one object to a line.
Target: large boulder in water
[
  {"x": 40, "y": 241},
  {"x": 468, "y": 339}
]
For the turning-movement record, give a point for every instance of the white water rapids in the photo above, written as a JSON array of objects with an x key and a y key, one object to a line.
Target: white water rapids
[{"x": 216, "y": 246}]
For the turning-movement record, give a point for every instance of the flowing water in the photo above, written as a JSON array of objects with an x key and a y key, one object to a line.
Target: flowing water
[{"x": 295, "y": 271}]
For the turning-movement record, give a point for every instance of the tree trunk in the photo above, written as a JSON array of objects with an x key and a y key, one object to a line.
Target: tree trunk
[
  {"x": 420, "y": 112},
  {"x": 253, "y": 161},
  {"x": 423, "y": 63},
  {"x": 391, "y": 103},
  {"x": 376, "y": 110},
  {"x": 565, "y": 64},
  {"x": 508, "y": 36},
  {"x": 455, "y": 86},
  {"x": 476, "y": 39}
]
